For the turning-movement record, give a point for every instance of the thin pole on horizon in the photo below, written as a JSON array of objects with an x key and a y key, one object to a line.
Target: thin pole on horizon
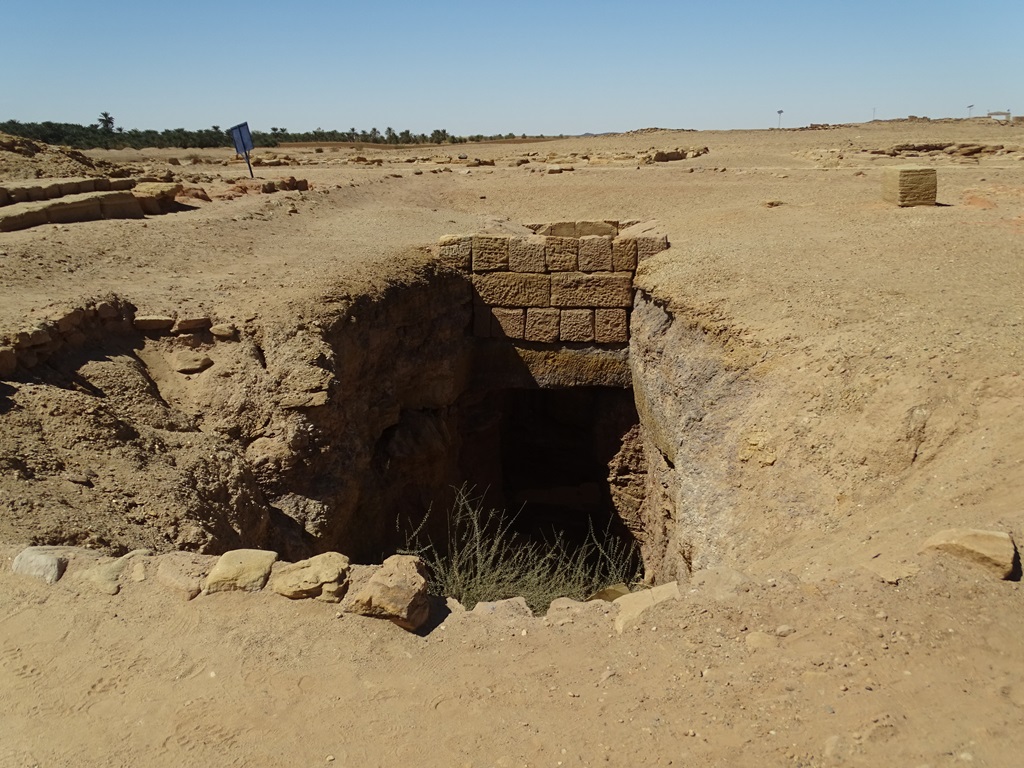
[
  {"x": 780, "y": 119},
  {"x": 970, "y": 108}
]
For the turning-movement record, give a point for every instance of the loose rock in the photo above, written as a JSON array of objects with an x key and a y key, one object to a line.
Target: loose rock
[
  {"x": 183, "y": 572},
  {"x": 633, "y": 605},
  {"x": 40, "y": 563},
  {"x": 105, "y": 577},
  {"x": 512, "y": 608},
  {"x": 324, "y": 576},
  {"x": 240, "y": 569},
  {"x": 398, "y": 591},
  {"x": 994, "y": 551},
  {"x": 190, "y": 362}
]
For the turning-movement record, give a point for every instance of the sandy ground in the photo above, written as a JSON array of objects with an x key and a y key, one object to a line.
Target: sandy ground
[{"x": 858, "y": 304}]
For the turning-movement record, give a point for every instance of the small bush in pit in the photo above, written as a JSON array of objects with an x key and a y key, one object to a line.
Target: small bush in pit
[{"x": 484, "y": 559}]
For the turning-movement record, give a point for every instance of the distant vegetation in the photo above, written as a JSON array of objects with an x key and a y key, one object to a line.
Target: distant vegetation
[{"x": 103, "y": 134}]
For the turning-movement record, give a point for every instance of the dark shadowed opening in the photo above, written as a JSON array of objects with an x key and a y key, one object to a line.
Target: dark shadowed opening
[{"x": 544, "y": 454}]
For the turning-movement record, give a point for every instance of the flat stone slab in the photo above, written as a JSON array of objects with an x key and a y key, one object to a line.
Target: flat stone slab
[
  {"x": 183, "y": 572},
  {"x": 635, "y": 604},
  {"x": 512, "y": 608},
  {"x": 994, "y": 551},
  {"x": 105, "y": 577}
]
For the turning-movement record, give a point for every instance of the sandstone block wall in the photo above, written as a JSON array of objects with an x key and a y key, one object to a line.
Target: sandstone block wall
[{"x": 570, "y": 282}]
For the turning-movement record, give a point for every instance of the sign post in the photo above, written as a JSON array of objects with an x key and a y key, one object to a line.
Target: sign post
[{"x": 243, "y": 142}]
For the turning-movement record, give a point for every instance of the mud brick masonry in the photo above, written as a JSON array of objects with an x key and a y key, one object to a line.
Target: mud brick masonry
[{"x": 568, "y": 282}]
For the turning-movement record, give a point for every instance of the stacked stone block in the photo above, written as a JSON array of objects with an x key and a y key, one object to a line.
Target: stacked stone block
[
  {"x": 571, "y": 282},
  {"x": 66, "y": 201}
]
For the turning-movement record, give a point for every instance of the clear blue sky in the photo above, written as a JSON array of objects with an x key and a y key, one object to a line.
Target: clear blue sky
[{"x": 524, "y": 66}]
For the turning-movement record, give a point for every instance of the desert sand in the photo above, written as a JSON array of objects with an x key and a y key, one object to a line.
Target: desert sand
[{"x": 849, "y": 371}]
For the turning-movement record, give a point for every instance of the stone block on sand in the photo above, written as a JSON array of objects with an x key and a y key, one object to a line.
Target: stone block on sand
[
  {"x": 68, "y": 211},
  {"x": 606, "y": 228},
  {"x": 624, "y": 254},
  {"x": 153, "y": 323},
  {"x": 907, "y": 187},
  {"x": 119, "y": 205},
  {"x": 22, "y": 216},
  {"x": 183, "y": 572}
]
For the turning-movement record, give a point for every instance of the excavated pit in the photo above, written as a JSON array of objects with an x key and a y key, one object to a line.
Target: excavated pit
[{"x": 330, "y": 431}]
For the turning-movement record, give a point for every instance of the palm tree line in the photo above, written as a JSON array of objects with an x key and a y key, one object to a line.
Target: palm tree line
[{"x": 105, "y": 134}]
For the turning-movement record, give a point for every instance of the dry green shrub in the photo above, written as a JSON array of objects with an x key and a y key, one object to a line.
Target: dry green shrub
[{"x": 484, "y": 559}]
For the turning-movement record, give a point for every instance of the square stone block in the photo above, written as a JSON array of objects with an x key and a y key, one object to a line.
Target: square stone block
[
  {"x": 513, "y": 289},
  {"x": 22, "y": 218},
  {"x": 527, "y": 254},
  {"x": 559, "y": 229},
  {"x": 490, "y": 253},
  {"x": 119, "y": 205},
  {"x": 649, "y": 245},
  {"x": 906, "y": 187},
  {"x": 576, "y": 325},
  {"x": 611, "y": 326},
  {"x": 595, "y": 254},
  {"x": 623, "y": 254},
  {"x": 71, "y": 187},
  {"x": 456, "y": 250},
  {"x": 584, "y": 228},
  {"x": 596, "y": 289},
  {"x": 542, "y": 324},
  {"x": 508, "y": 323},
  {"x": 562, "y": 253},
  {"x": 70, "y": 211}
]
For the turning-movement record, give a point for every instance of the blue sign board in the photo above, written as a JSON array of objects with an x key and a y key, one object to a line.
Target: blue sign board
[
  {"x": 243, "y": 141},
  {"x": 242, "y": 138}
]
